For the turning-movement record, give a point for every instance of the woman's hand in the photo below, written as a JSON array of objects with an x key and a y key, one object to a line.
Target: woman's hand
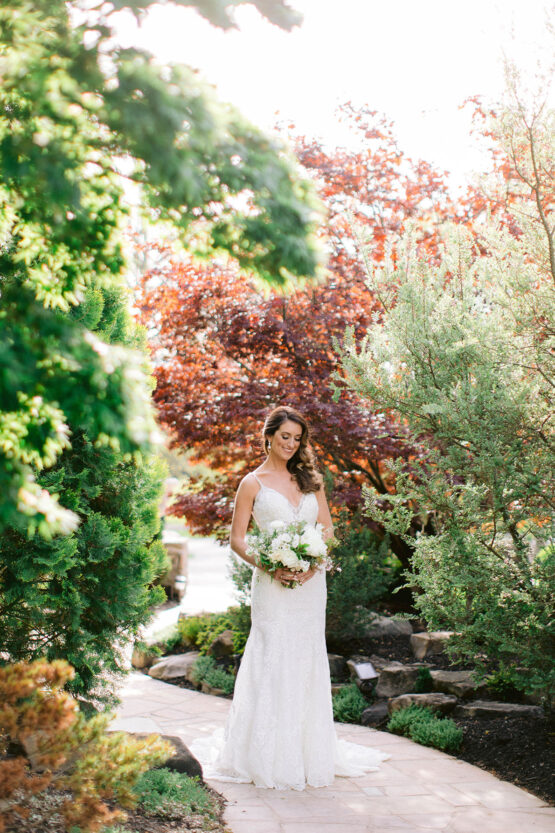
[{"x": 286, "y": 576}]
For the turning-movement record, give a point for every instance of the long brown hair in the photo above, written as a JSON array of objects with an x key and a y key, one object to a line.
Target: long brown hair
[{"x": 302, "y": 464}]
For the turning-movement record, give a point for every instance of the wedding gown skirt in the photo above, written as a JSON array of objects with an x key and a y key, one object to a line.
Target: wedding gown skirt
[{"x": 280, "y": 731}]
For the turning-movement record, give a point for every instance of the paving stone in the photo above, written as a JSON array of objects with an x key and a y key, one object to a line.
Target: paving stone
[{"x": 417, "y": 790}]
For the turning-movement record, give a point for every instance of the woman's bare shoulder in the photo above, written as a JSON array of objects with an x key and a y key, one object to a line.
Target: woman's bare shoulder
[{"x": 249, "y": 485}]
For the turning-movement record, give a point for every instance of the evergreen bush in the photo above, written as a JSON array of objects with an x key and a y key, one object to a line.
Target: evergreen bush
[
  {"x": 47, "y": 744},
  {"x": 420, "y": 723},
  {"x": 348, "y": 704},
  {"x": 367, "y": 570},
  {"x": 83, "y": 596},
  {"x": 205, "y": 670}
]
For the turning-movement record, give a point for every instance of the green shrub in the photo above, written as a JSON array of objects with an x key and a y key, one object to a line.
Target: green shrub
[
  {"x": 402, "y": 719},
  {"x": 205, "y": 670},
  {"x": 367, "y": 571},
  {"x": 74, "y": 755},
  {"x": 424, "y": 681},
  {"x": 442, "y": 733},
  {"x": 348, "y": 704},
  {"x": 421, "y": 724},
  {"x": 161, "y": 792},
  {"x": 200, "y": 631}
]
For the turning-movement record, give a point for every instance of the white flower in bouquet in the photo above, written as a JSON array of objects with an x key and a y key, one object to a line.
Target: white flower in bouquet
[
  {"x": 288, "y": 558},
  {"x": 312, "y": 538}
]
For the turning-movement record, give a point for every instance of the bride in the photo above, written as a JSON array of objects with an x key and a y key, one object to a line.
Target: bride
[{"x": 280, "y": 730}]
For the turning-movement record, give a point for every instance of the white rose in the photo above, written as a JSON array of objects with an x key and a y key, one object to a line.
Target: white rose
[
  {"x": 314, "y": 542},
  {"x": 277, "y": 524},
  {"x": 305, "y": 565},
  {"x": 288, "y": 558}
]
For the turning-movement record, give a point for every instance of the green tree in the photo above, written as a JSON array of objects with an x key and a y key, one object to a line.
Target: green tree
[
  {"x": 465, "y": 356},
  {"x": 73, "y": 118},
  {"x": 79, "y": 486}
]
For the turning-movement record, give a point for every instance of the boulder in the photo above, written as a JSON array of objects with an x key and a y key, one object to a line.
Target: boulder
[
  {"x": 396, "y": 678},
  {"x": 375, "y": 626},
  {"x": 489, "y": 709},
  {"x": 459, "y": 683},
  {"x": 338, "y": 666},
  {"x": 374, "y": 714},
  {"x": 182, "y": 760},
  {"x": 443, "y": 703},
  {"x": 208, "y": 689},
  {"x": 426, "y": 643},
  {"x": 175, "y": 665},
  {"x": 143, "y": 657},
  {"x": 222, "y": 646}
]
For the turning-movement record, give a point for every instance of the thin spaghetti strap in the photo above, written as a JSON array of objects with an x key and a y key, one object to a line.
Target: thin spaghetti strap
[{"x": 257, "y": 480}]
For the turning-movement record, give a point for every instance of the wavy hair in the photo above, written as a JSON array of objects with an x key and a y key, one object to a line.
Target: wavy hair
[{"x": 302, "y": 464}]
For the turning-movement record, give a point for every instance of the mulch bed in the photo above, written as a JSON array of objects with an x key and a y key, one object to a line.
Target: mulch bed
[{"x": 514, "y": 749}]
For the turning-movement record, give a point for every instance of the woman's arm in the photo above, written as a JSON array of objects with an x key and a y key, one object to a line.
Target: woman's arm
[
  {"x": 324, "y": 516},
  {"x": 242, "y": 511}
]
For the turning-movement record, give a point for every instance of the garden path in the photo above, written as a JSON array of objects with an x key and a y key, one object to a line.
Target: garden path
[{"x": 418, "y": 790}]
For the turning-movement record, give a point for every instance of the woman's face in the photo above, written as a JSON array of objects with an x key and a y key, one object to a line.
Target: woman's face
[{"x": 287, "y": 439}]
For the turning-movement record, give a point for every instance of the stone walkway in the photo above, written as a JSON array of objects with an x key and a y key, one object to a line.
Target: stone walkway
[{"x": 417, "y": 789}]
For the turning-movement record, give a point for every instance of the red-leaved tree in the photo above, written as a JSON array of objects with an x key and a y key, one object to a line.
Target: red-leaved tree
[{"x": 227, "y": 351}]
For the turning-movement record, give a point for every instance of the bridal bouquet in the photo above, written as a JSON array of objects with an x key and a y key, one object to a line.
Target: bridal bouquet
[{"x": 296, "y": 546}]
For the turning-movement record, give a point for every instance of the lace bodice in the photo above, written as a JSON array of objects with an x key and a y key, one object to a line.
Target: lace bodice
[{"x": 271, "y": 505}]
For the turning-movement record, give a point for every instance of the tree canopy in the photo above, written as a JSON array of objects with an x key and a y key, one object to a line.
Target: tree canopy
[{"x": 77, "y": 120}]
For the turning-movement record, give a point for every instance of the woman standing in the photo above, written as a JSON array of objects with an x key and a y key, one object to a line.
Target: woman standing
[{"x": 280, "y": 730}]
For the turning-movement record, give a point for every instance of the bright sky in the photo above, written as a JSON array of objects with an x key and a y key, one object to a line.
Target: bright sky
[{"x": 414, "y": 60}]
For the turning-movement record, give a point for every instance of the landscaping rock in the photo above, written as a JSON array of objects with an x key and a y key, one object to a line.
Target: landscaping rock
[
  {"x": 432, "y": 642},
  {"x": 376, "y": 626},
  {"x": 443, "y": 703},
  {"x": 375, "y": 714},
  {"x": 396, "y": 678},
  {"x": 338, "y": 666},
  {"x": 182, "y": 761},
  {"x": 459, "y": 683},
  {"x": 175, "y": 665},
  {"x": 222, "y": 646},
  {"x": 143, "y": 657},
  {"x": 489, "y": 709},
  {"x": 336, "y": 687},
  {"x": 208, "y": 689}
]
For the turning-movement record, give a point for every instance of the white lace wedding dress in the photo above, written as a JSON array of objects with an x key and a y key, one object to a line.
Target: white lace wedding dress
[{"x": 280, "y": 730}]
